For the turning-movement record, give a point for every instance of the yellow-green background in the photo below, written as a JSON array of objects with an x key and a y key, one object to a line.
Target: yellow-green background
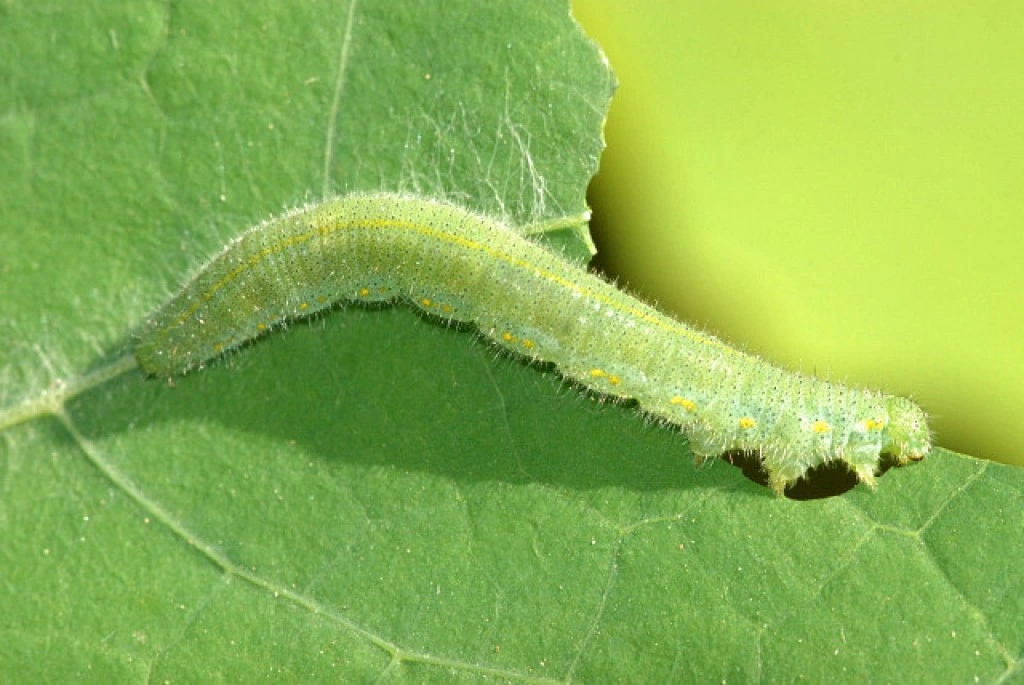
[{"x": 837, "y": 185}]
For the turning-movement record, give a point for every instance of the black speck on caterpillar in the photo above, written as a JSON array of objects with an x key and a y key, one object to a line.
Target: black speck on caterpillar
[{"x": 462, "y": 266}]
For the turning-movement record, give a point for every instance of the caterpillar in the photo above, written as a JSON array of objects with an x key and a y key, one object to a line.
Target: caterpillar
[{"x": 461, "y": 266}]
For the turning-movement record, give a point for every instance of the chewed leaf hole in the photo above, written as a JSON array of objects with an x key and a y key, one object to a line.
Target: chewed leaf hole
[{"x": 826, "y": 480}]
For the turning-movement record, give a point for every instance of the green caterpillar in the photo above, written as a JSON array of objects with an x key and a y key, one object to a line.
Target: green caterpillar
[{"x": 462, "y": 266}]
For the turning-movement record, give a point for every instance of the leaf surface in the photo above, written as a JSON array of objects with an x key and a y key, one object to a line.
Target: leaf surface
[{"x": 367, "y": 495}]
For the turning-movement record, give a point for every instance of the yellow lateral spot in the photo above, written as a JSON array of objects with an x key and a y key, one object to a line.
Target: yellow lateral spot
[
  {"x": 426, "y": 302},
  {"x": 872, "y": 424},
  {"x": 304, "y": 306},
  {"x": 597, "y": 373},
  {"x": 446, "y": 308},
  {"x": 363, "y": 292},
  {"x": 320, "y": 299},
  {"x": 614, "y": 380},
  {"x": 746, "y": 423},
  {"x": 508, "y": 337},
  {"x": 820, "y": 426},
  {"x": 528, "y": 344},
  {"x": 261, "y": 327},
  {"x": 688, "y": 405},
  {"x": 218, "y": 347}
]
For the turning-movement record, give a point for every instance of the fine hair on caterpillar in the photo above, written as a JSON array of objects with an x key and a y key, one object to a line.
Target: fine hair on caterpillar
[{"x": 462, "y": 266}]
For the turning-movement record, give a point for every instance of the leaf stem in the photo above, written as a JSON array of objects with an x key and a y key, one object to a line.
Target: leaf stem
[{"x": 51, "y": 400}]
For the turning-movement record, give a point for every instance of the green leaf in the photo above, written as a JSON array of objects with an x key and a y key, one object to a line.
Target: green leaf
[{"x": 367, "y": 495}]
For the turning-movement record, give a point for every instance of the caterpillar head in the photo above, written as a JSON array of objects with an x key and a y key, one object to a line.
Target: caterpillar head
[{"x": 906, "y": 436}]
